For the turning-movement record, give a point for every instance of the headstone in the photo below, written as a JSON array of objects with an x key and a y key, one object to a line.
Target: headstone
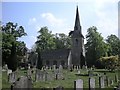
[
  {"x": 116, "y": 78},
  {"x": 9, "y": 71},
  {"x": 22, "y": 83},
  {"x": 39, "y": 75},
  {"x": 78, "y": 72},
  {"x": 111, "y": 82},
  {"x": 12, "y": 77},
  {"x": 54, "y": 67},
  {"x": 60, "y": 68},
  {"x": 91, "y": 83},
  {"x": 78, "y": 84},
  {"x": 29, "y": 72},
  {"x": 107, "y": 81},
  {"x": 90, "y": 73},
  {"x": 101, "y": 82},
  {"x": 5, "y": 67}
]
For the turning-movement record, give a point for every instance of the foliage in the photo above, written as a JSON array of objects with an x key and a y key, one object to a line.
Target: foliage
[
  {"x": 114, "y": 43},
  {"x": 47, "y": 40},
  {"x": 95, "y": 46},
  {"x": 110, "y": 62},
  {"x": 10, "y": 34}
]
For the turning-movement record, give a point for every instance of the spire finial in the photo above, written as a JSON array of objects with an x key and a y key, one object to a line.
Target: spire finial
[{"x": 77, "y": 21}]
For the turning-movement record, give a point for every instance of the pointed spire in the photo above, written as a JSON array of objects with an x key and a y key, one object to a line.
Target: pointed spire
[{"x": 77, "y": 21}]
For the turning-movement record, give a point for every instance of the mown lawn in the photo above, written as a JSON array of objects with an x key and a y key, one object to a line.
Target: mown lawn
[{"x": 68, "y": 82}]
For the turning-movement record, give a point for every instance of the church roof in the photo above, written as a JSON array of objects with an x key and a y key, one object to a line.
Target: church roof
[{"x": 58, "y": 54}]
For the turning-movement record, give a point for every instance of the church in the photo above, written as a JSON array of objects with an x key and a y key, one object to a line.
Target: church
[{"x": 68, "y": 57}]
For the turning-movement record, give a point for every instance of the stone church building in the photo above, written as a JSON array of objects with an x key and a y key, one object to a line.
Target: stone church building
[{"x": 67, "y": 57}]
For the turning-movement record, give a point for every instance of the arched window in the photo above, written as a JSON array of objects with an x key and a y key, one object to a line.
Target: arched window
[{"x": 76, "y": 41}]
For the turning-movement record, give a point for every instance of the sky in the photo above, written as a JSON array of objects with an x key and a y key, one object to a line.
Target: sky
[{"x": 59, "y": 16}]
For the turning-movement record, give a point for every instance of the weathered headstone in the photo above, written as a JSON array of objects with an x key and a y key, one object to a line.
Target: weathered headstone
[
  {"x": 39, "y": 75},
  {"x": 90, "y": 73},
  {"x": 12, "y": 77},
  {"x": 78, "y": 84},
  {"x": 107, "y": 81},
  {"x": 60, "y": 68},
  {"x": 116, "y": 78},
  {"x": 22, "y": 83},
  {"x": 29, "y": 72},
  {"x": 101, "y": 82},
  {"x": 91, "y": 83},
  {"x": 9, "y": 71}
]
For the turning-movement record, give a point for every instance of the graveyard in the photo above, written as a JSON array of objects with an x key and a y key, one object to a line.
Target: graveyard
[{"x": 67, "y": 80}]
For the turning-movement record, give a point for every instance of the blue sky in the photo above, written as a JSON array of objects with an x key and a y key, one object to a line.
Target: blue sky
[{"x": 59, "y": 17}]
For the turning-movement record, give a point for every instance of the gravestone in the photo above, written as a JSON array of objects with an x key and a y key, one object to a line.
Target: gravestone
[
  {"x": 60, "y": 68},
  {"x": 111, "y": 82},
  {"x": 9, "y": 71},
  {"x": 12, "y": 77},
  {"x": 78, "y": 84},
  {"x": 101, "y": 82},
  {"x": 39, "y": 75},
  {"x": 107, "y": 81},
  {"x": 54, "y": 67},
  {"x": 116, "y": 78},
  {"x": 92, "y": 83},
  {"x": 90, "y": 73},
  {"x": 22, "y": 83},
  {"x": 29, "y": 72}
]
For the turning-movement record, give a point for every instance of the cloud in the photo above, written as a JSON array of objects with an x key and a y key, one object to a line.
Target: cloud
[{"x": 52, "y": 20}]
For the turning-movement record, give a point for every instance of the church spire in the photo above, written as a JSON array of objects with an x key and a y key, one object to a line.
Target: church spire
[{"x": 77, "y": 21}]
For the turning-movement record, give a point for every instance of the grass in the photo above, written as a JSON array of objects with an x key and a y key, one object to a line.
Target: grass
[{"x": 70, "y": 77}]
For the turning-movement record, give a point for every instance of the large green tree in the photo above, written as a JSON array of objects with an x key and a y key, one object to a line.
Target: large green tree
[
  {"x": 114, "y": 43},
  {"x": 10, "y": 34},
  {"x": 45, "y": 40},
  {"x": 95, "y": 46}
]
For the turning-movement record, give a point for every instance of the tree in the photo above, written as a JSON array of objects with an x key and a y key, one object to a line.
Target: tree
[
  {"x": 45, "y": 39},
  {"x": 110, "y": 62},
  {"x": 62, "y": 41},
  {"x": 11, "y": 32},
  {"x": 95, "y": 46},
  {"x": 114, "y": 43}
]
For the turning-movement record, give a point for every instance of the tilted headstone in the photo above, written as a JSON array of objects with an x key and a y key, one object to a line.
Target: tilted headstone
[
  {"x": 101, "y": 82},
  {"x": 78, "y": 84},
  {"x": 12, "y": 77},
  {"x": 22, "y": 83},
  {"x": 91, "y": 83}
]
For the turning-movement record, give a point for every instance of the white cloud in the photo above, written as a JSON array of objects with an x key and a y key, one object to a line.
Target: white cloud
[{"x": 52, "y": 20}]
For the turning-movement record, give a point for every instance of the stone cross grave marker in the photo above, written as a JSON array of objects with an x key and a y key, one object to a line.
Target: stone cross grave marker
[
  {"x": 12, "y": 77},
  {"x": 91, "y": 83},
  {"x": 78, "y": 84},
  {"x": 101, "y": 82},
  {"x": 23, "y": 82}
]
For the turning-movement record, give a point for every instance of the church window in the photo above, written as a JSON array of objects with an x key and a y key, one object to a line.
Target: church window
[{"x": 76, "y": 40}]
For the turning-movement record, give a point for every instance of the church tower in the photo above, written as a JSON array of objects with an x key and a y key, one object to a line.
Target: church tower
[{"x": 77, "y": 50}]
